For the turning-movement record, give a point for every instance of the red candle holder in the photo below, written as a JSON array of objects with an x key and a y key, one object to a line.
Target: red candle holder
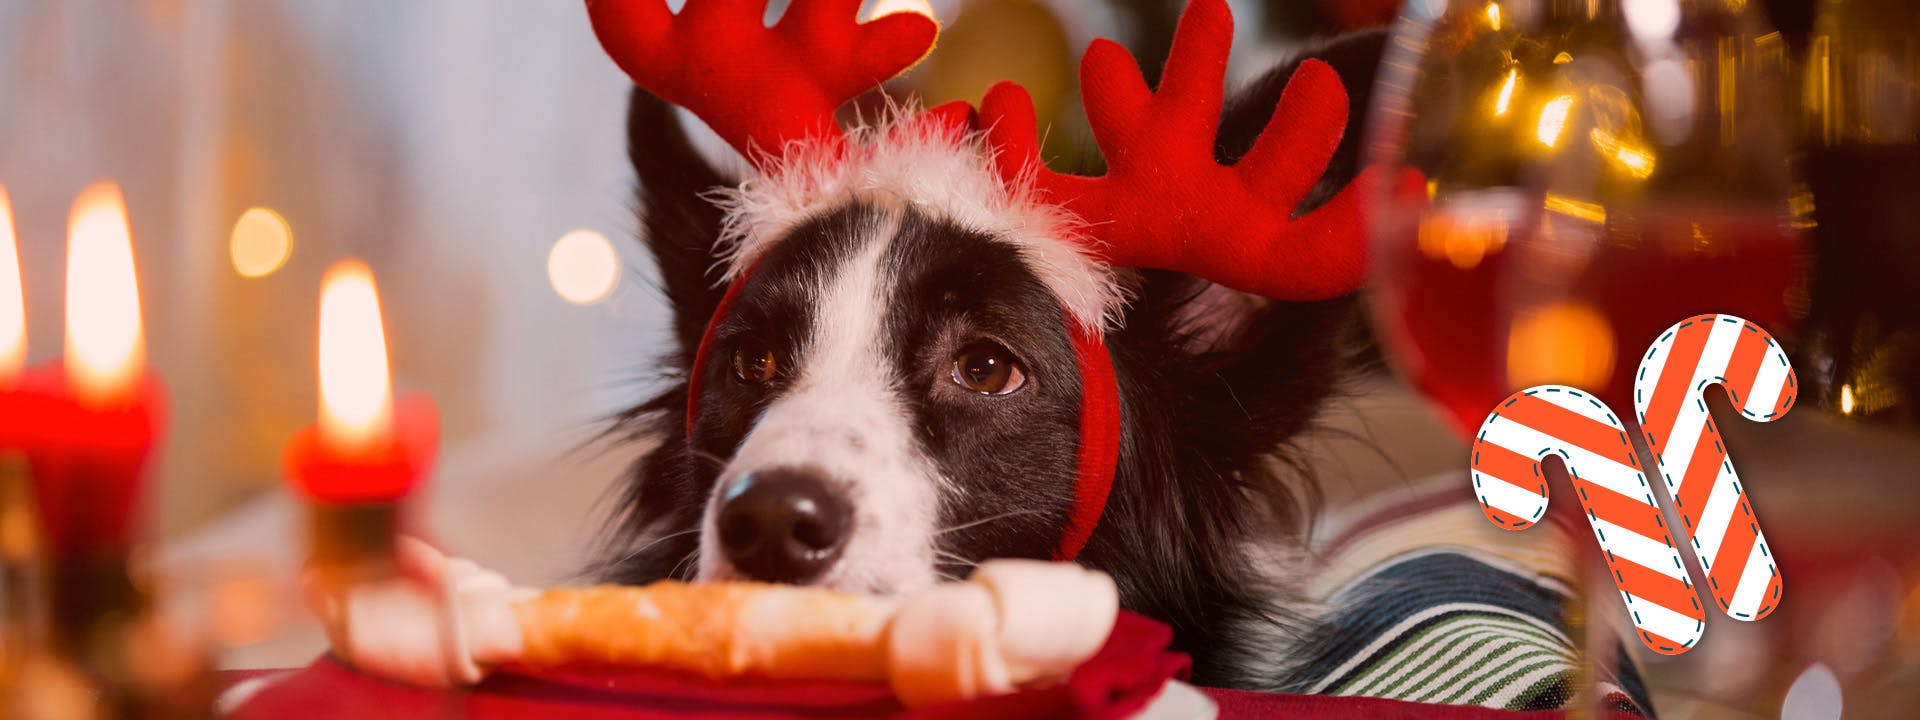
[{"x": 355, "y": 493}]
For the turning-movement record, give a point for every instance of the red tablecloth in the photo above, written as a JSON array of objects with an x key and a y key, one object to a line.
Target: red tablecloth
[{"x": 1119, "y": 681}]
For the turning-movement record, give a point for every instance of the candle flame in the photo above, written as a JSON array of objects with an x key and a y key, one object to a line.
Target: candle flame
[
  {"x": 13, "y": 302},
  {"x": 105, "y": 346},
  {"x": 1846, "y": 399},
  {"x": 356, "y": 389}
]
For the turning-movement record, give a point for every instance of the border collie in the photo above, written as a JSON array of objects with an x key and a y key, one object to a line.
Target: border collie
[{"x": 894, "y": 398}]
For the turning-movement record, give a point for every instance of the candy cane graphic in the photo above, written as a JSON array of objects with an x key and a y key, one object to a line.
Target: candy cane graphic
[
  {"x": 1539, "y": 422},
  {"x": 1668, "y": 397}
]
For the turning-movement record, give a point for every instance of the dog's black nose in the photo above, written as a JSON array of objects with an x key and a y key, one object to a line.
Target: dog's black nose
[{"x": 783, "y": 525}]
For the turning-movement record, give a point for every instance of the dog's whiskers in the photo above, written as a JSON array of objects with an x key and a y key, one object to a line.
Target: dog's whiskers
[
  {"x": 718, "y": 463},
  {"x": 985, "y": 520},
  {"x": 657, "y": 541},
  {"x": 675, "y": 572}
]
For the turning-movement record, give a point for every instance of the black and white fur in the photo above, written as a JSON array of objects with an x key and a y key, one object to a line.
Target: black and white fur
[{"x": 867, "y": 296}]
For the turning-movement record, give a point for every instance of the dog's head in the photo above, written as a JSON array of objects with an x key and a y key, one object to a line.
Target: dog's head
[{"x": 887, "y": 357}]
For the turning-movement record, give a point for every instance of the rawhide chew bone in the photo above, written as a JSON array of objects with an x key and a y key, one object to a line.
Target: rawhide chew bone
[{"x": 1014, "y": 623}]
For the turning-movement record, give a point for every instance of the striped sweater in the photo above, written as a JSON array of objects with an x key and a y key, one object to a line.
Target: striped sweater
[{"x": 1429, "y": 602}]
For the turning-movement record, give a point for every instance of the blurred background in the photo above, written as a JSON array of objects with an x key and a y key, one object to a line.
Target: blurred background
[{"x": 473, "y": 155}]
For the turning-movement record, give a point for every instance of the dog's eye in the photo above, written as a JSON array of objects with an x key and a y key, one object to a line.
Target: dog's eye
[
  {"x": 987, "y": 368},
  {"x": 753, "y": 363}
]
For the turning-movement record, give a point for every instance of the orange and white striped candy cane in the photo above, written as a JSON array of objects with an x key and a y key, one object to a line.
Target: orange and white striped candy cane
[
  {"x": 1540, "y": 422},
  {"x": 1668, "y": 398}
]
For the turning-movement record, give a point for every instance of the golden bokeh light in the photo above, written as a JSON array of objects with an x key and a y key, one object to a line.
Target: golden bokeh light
[
  {"x": 13, "y": 300},
  {"x": 1638, "y": 162},
  {"x": 356, "y": 386},
  {"x": 1463, "y": 240},
  {"x": 1563, "y": 343},
  {"x": 888, "y": 7},
  {"x": 261, "y": 243},
  {"x": 1633, "y": 158},
  {"x": 1505, "y": 100},
  {"x": 1553, "y": 119},
  {"x": 1577, "y": 209},
  {"x": 1846, "y": 399},
  {"x": 583, "y": 267},
  {"x": 1493, "y": 15},
  {"x": 105, "y": 345}
]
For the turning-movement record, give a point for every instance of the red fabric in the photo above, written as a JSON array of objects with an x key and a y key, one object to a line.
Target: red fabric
[
  {"x": 87, "y": 464},
  {"x": 1115, "y": 683},
  {"x": 1099, "y": 440},
  {"x": 759, "y": 87},
  {"x": 1166, "y": 203},
  {"x": 383, "y": 474}
]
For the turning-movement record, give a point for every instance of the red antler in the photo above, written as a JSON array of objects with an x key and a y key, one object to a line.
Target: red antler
[
  {"x": 1166, "y": 203},
  {"x": 759, "y": 87}
]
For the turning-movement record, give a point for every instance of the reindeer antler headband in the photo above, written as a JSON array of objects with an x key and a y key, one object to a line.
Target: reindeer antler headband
[{"x": 1165, "y": 202}]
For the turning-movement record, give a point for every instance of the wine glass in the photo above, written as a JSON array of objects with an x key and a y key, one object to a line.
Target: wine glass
[{"x": 1596, "y": 170}]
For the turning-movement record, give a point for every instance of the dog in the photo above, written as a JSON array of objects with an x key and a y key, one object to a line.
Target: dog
[{"x": 892, "y": 398}]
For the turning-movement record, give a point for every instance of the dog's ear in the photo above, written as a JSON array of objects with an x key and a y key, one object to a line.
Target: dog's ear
[
  {"x": 678, "y": 224},
  {"x": 1211, "y": 318},
  {"x": 1356, "y": 59},
  {"x": 1257, "y": 371}
]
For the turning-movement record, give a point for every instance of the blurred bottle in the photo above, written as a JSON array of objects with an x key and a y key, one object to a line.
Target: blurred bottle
[
  {"x": 1860, "y": 98},
  {"x": 1597, "y": 170}
]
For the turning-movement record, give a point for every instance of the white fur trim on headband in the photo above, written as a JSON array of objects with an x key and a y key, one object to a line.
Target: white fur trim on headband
[{"x": 908, "y": 160}]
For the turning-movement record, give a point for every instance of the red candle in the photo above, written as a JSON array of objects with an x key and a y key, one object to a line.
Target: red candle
[
  {"x": 86, "y": 425},
  {"x": 367, "y": 451},
  {"x": 89, "y": 422}
]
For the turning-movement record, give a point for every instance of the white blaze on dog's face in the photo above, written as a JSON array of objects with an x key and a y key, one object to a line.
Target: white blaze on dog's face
[
  {"x": 891, "y": 399},
  {"x": 841, "y": 423}
]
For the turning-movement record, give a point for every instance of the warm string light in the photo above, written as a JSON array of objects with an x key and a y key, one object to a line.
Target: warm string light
[
  {"x": 1633, "y": 158},
  {"x": 13, "y": 302},
  {"x": 1553, "y": 118},
  {"x": 1505, "y": 100},
  {"x": 1577, "y": 209},
  {"x": 356, "y": 386},
  {"x": 105, "y": 347}
]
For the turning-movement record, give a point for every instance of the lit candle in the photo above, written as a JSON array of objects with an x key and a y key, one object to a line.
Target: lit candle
[
  {"x": 13, "y": 302},
  {"x": 19, "y": 411},
  {"x": 367, "y": 451},
  {"x": 100, "y": 410},
  {"x": 90, "y": 423}
]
